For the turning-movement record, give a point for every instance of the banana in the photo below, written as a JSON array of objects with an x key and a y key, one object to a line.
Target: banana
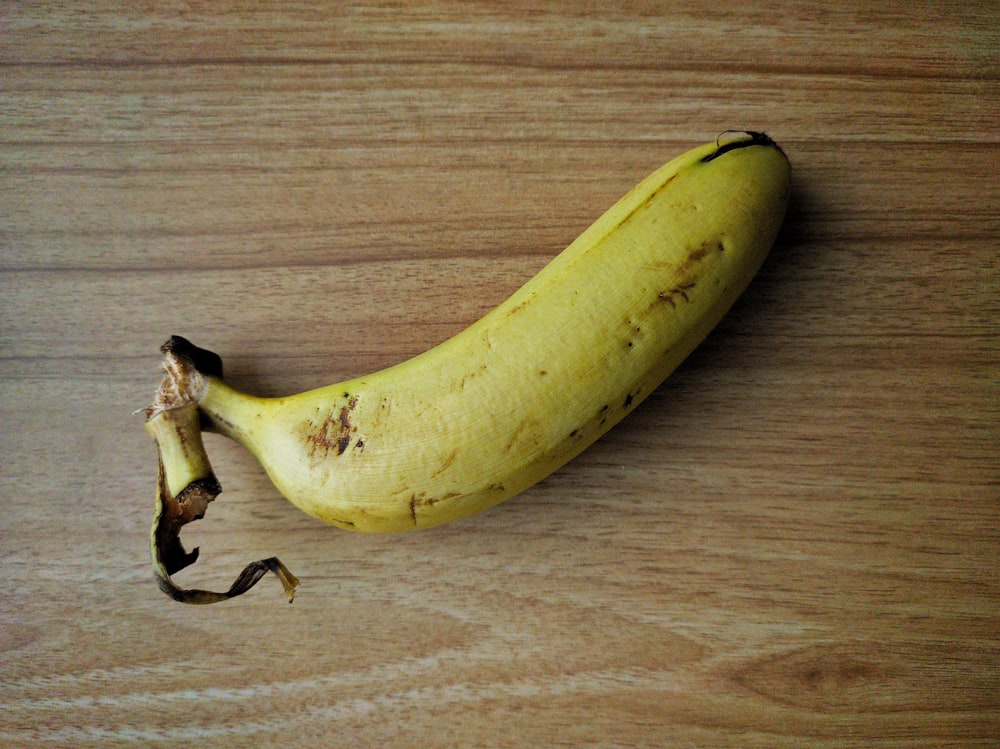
[{"x": 486, "y": 414}]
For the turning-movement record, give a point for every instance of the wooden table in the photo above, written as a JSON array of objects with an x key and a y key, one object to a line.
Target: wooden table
[{"x": 794, "y": 542}]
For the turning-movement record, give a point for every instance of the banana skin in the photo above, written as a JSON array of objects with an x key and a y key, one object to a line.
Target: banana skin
[{"x": 486, "y": 414}]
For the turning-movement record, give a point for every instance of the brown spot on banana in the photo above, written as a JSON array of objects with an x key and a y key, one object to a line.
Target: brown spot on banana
[
  {"x": 524, "y": 437},
  {"x": 421, "y": 500},
  {"x": 447, "y": 462},
  {"x": 335, "y": 433},
  {"x": 697, "y": 255},
  {"x": 679, "y": 291}
]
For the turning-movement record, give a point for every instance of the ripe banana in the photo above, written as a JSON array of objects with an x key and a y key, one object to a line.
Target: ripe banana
[{"x": 486, "y": 414}]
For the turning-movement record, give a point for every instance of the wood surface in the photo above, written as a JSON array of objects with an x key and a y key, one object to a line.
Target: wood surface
[{"x": 794, "y": 542}]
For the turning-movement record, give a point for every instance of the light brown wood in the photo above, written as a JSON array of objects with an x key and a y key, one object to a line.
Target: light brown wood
[{"x": 794, "y": 542}]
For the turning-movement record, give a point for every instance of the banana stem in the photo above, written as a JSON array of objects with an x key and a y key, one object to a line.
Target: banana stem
[{"x": 186, "y": 484}]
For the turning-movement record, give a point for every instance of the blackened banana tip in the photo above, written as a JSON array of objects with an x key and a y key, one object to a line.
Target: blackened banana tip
[{"x": 756, "y": 139}]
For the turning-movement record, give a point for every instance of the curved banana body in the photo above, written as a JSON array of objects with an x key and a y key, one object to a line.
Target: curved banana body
[{"x": 486, "y": 414}]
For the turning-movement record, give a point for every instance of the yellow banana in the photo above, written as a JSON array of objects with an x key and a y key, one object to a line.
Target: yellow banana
[{"x": 491, "y": 411}]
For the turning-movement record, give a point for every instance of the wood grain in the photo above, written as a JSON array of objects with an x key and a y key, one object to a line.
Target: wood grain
[{"x": 794, "y": 542}]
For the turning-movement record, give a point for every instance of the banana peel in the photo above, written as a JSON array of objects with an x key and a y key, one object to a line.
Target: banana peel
[{"x": 488, "y": 413}]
